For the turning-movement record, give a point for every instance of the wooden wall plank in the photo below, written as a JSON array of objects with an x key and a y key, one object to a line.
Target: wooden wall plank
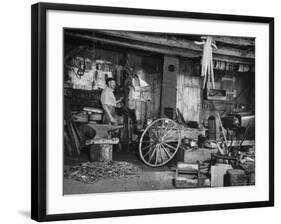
[{"x": 188, "y": 92}]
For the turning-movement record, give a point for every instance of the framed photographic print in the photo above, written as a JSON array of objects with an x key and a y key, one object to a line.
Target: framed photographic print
[{"x": 138, "y": 111}]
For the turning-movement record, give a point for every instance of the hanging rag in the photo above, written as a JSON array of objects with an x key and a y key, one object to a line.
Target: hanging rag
[{"x": 207, "y": 63}]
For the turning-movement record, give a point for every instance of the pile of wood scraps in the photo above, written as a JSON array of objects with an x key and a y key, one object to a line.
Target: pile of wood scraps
[
  {"x": 92, "y": 172},
  {"x": 72, "y": 137}
]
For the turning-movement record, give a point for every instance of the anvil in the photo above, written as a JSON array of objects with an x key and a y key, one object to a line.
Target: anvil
[{"x": 103, "y": 130}]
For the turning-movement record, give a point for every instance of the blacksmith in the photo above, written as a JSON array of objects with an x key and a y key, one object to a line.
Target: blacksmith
[{"x": 109, "y": 102}]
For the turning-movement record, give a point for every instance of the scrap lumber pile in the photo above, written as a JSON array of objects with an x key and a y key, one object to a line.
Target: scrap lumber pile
[
  {"x": 92, "y": 172},
  {"x": 72, "y": 137}
]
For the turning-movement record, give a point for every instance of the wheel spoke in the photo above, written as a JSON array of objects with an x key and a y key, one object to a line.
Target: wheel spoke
[
  {"x": 148, "y": 146},
  {"x": 172, "y": 147},
  {"x": 160, "y": 152},
  {"x": 148, "y": 141},
  {"x": 147, "y": 153},
  {"x": 168, "y": 132},
  {"x": 156, "y": 157},
  {"x": 152, "y": 154},
  {"x": 155, "y": 133},
  {"x": 162, "y": 126},
  {"x": 171, "y": 133},
  {"x": 167, "y": 126},
  {"x": 160, "y": 130},
  {"x": 170, "y": 140},
  {"x": 167, "y": 151}
]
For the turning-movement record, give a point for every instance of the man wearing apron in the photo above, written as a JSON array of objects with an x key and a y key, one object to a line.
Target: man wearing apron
[{"x": 109, "y": 102}]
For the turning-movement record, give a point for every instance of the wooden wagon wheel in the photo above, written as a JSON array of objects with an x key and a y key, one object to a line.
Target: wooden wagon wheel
[{"x": 159, "y": 142}]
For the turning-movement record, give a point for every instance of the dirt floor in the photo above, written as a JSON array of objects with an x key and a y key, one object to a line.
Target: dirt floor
[
  {"x": 128, "y": 173},
  {"x": 147, "y": 179}
]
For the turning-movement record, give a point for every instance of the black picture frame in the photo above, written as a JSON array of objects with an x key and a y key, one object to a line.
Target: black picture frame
[{"x": 39, "y": 108}]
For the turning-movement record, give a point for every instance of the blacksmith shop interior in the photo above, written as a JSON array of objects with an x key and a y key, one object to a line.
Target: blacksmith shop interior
[{"x": 157, "y": 111}]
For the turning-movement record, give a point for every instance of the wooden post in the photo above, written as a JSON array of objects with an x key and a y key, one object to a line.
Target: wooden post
[
  {"x": 101, "y": 149},
  {"x": 101, "y": 152}
]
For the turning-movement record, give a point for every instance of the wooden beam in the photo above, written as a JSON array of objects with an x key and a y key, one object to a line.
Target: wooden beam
[
  {"x": 167, "y": 50},
  {"x": 242, "y": 41},
  {"x": 223, "y": 51},
  {"x": 153, "y": 39},
  {"x": 140, "y": 46},
  {"x": 180, "y": 43}
]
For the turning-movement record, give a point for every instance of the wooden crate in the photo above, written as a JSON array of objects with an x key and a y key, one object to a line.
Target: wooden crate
[{"x": 191, "y": 133}]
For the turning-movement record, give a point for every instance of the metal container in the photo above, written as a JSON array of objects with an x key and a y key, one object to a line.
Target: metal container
[{"x": 214, "y": 128}]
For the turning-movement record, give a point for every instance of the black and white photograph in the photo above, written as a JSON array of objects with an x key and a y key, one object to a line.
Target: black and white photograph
[
  {"x": 147, "y": 111},
  {"x": 139, "y": 111}
]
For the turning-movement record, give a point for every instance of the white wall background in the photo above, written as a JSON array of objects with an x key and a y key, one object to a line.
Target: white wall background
[{"x": 15, "y": 110}]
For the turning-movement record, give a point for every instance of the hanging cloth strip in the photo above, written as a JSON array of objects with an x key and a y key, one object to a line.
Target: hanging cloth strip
[{"x": 207, "y": 69}]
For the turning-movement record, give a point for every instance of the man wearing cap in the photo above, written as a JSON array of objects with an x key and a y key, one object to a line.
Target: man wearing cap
[{"x": 109, "y": 102}]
